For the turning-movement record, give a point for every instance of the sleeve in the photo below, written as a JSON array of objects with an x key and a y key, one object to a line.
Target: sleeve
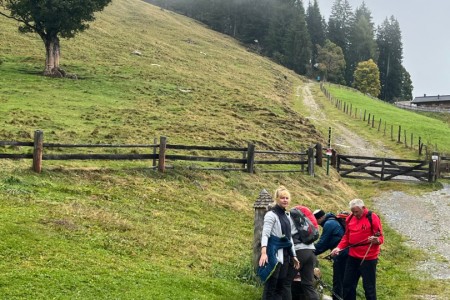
[
  {"x": 324, "y": 242},
  {"x": 377, "y": 228},
  {"x": 269, "y": 221}
]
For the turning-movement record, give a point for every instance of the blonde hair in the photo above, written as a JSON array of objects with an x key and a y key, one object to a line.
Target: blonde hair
[{"x": 279, "y": 192}]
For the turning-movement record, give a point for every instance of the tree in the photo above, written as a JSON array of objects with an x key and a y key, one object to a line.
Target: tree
[
  {"x": 407, "y": 86},
  {"x": 331, "y": 62},
  {"x": 316, "y": 29},
  {"x": 52, "y": 20},
  {"x": 389, "y": 41},
  {"x": 367, "y": 78},
  {"x": 362, "y": 43}
]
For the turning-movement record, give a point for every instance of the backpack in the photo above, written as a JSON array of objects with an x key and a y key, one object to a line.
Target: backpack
[
  {"x": 306, "y": 224},
  {"x": 343, "y": 215}
]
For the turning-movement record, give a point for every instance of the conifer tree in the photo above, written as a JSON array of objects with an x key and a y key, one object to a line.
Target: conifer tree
[
  {"x": 389, "y": 41},
  {"x": 362, "y": 45},
  {"x": 316, "y": 28}
]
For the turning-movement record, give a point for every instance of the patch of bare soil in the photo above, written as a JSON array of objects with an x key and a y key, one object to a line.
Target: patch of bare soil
[{"x": 344, "y": 140}]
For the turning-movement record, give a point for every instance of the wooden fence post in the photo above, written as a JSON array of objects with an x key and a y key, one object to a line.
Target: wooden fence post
[
  {"x": 334, "y": 158},
  {"x": 373, "y": 120},
  {"x": 261, "y": 206},
  {"x": 311, "y": 161},
  {"x": 155, "y": 141},
  {"x": 379, "y": 125},
  {"x": 38, "y": 150},
  {"x": 420, "y": 145},
  {"x": 392, "y": 132},
  {"x": 250, "y": 158},
  {"x": 162, "y": 154},
  {"x": 399, "y": 134},
  {"x": 319, "y": 155}
]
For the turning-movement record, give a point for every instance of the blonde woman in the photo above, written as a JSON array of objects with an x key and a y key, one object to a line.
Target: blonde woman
[{"x": 277, "y": 249}]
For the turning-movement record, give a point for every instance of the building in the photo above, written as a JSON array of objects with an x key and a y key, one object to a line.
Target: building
[{"x": 441, "y": 101}]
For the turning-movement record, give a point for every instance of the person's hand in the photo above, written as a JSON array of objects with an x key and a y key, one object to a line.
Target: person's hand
[
  {"x": 296, "y": 263},
  {"x": 335, "y": 252},
  {"x": 374, "y": 240},
  {"x": 263, "y": 259}
]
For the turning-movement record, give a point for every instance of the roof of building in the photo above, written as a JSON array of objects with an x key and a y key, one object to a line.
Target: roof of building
[{"x": 425, "y": 99}]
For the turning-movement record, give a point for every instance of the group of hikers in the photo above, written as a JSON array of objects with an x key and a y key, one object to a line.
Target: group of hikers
[{"x": 289, "y": 254}]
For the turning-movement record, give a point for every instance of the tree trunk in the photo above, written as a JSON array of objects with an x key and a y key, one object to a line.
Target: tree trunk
[{"x": 52, "y": 54}]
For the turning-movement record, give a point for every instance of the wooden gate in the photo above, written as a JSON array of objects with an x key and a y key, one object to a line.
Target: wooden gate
[
  {"x": 384, "y": 169},
  {"x": 444, "y": 167}
]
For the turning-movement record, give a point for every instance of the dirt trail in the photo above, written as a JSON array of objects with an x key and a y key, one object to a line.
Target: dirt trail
[
  {"x": 423, "y": 219},
  {"x": 346, "y": 141}
]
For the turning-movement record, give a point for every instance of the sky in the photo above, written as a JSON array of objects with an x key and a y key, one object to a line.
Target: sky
[{"x": 425, "y": 36}]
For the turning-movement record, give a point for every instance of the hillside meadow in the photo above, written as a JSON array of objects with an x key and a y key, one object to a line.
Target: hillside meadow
[
  {"x": 120, "y": 230},
  {"x": 432, "y": 128}
]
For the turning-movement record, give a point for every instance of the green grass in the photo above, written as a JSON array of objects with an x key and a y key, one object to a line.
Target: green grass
[
  {"x": 118, "y": 230},
  {"x": 433, "y": 131}
]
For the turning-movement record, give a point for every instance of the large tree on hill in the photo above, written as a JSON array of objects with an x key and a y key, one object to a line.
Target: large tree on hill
[
  {"x": 52, "y": 20},
  {"x": 316, "y": 28},
  {"x": 389, "y": 41},
  {"x": 362, "y": 42}
]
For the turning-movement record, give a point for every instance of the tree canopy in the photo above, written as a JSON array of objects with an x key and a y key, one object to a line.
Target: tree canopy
[
  {"x": 367, "y": 78},
  {"x": 51, "y": 20}
]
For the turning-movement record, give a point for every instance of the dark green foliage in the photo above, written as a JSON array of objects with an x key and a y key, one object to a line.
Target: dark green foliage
[
  {"x": 407, "y": 85},
  {"x": 390, "y": 48},
  {"x": 53, "y": 17},
  {"x": 316, "y": 29},
  {"x": 362, "y": 45}
]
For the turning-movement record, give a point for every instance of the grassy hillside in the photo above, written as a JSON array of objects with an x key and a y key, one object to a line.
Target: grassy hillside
[
  {"x": 433, "y": 130},
  {"x": 106, "y": 230},
  {"x": 118, "y": 230}
]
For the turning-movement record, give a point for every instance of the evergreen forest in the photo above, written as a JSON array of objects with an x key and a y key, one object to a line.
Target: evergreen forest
[{"x": 296, "y": 35}]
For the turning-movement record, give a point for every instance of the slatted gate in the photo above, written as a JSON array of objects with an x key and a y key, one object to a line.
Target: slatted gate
[{"x": 364, "y": 167}]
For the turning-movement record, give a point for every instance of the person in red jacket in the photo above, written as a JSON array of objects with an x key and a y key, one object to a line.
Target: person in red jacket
[{"x": 363, "y": 237}]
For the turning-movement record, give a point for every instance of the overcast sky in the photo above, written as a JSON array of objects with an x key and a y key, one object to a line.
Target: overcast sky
[{"x": 425, "y": 36}]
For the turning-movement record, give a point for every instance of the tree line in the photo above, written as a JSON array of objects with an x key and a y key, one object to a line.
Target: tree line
[{"x": 347, "y": 49}]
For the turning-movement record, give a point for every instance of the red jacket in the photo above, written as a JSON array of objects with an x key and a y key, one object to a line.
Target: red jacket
[{"x": 358, "y": 231}]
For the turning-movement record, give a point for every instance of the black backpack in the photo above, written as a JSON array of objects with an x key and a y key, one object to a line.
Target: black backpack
[
  {"x": 307, "y": 232},
  {"x": 342, "y": 217}
]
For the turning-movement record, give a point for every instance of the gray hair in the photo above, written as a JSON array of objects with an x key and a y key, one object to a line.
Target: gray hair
[{"x": 356, "y": 202}]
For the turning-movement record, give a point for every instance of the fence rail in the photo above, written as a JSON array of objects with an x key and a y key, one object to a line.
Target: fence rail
[{"x": 249, "y": 156}]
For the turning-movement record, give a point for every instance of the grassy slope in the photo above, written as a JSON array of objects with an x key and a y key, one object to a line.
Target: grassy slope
[
  {"x": 433, "y": 131},
  {"x": 91, "y": 230}
]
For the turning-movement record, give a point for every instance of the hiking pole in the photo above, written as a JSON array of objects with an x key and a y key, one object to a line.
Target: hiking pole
[
  {"x": 328, "y": 287},
  {"x": 368, "y": 249},
  {"x": 329, "y": 257}
]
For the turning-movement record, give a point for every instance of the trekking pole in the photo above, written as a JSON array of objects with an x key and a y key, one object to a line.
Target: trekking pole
[
  {"x": 329, "y": 257},
  {"x": 328, "y": 287},
  {"x": 368, "y": 249}
]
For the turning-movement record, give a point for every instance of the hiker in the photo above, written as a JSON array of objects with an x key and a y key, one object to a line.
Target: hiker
[
  {"x": 363, "y": 238},
  {"x": 332, "y": 232},
  {"x": 305, "y": 254},
  {"x": 277, "y": 249}
]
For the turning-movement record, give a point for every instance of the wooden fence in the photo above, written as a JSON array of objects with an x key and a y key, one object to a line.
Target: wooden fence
[
  {"x": 444, "y": 167},
  {"x": 384, "y": 169},
  {"x": 244, "y": 159},
  {"x": 396, "y": 133}
]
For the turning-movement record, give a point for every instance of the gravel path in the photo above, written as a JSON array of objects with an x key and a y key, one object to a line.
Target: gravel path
[{"x": 425, "y": 221}]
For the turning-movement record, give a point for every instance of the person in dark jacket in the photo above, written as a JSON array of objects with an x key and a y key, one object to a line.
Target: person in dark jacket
[{"x": 332, "y": 233}]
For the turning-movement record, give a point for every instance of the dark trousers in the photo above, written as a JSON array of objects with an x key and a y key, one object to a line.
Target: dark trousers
[
  {"x": 353, "y": 271},
  {"x": 307, "y": 260},
  {"x": 278, "y": 286},
  {"x": 338, "y": 275}
]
